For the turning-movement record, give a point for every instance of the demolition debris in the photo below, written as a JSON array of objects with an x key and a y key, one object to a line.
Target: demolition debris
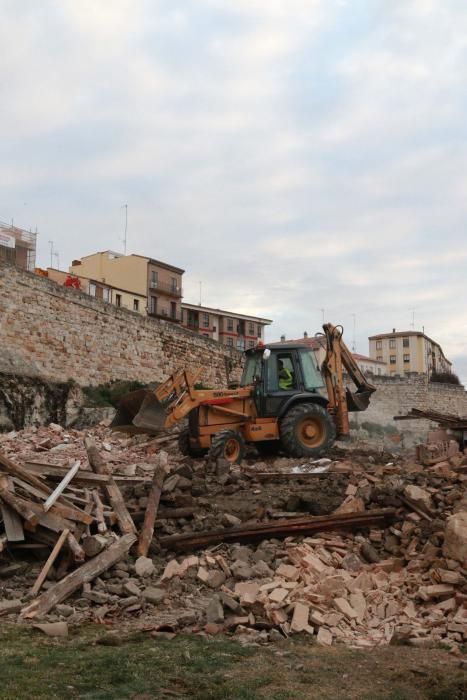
[{"x": 363, "y": 549}]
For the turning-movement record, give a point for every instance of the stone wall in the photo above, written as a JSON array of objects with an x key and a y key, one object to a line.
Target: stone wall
[
  {"x": 395, "y": 396},
  {"x": 59, "y": 334}
]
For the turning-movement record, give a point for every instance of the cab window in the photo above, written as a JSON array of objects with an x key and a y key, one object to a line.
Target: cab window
[{"x": 312, "y": 378}]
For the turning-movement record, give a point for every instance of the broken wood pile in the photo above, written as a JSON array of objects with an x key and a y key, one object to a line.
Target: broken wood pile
[
  {"x": 78, "y": 522},
  {"x": 362, "y": 550}
]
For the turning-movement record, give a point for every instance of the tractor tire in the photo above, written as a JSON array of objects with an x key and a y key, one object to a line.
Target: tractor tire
[
  {"x": 184, "y": 445},
  {"x": 229, "y": 445},
  {"x": 307, "y": 430}
]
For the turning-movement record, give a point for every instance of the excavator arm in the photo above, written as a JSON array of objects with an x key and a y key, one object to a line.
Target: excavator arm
[{"x": 341, "y": 399}]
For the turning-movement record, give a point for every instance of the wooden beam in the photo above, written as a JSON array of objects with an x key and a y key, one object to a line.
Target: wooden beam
[
  {"x": 65, "y": 511},
  {"x": 48, "y": 564},
  {"x": 284, "y": 528},
  {"x": 11, "y": 520},
  {"x": 147, "y": 531},
  {"x": 83, "y": 477},
  {"x": 62, "y": 485},
  {"x": 19, "y": 506},
  {"x": 17, "y": 470},
  {"x": 71, "y": 583},
  {"x": 114, "y": 495}
]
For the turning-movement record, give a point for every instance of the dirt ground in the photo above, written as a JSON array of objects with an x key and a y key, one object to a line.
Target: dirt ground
[{"x": 98, "y": 663}]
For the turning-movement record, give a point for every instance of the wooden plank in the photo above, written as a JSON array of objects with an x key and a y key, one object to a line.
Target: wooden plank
[
  {"x": 71, "y": 583},
  {"x": 114, "y": 495},
  {"x": 20, "y": 506},
  {"x": 11, "y": 521},
  {"x": 284, "y": 528},
  {"x": 62, "y": 485},
  {"x": 147, "y": 531},
  {"x": 101, "y": 525},
  {"x": 83, "y": 477},
  {"x": 60, "y": 509},
  {"x": 50, "y": 520},
  {"x": 14, "y": 469},
  {"x": 48, "y": 564}
]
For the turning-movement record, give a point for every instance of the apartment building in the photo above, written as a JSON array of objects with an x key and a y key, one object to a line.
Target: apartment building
[
  {"x": 138, "y": 282},
  {"x": 408, "y": 351},
  {"x": 100, "y": 290},
  {"x": 226, "y": 327},
  {"x": 18, "y": 246}
]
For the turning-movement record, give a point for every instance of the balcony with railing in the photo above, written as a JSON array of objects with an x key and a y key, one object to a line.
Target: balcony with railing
[{"x": 166, "y": 288}]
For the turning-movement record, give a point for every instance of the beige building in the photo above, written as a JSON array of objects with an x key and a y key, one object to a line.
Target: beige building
[
  {"x": 226, "y": 327},
  {"x": 105, "y": 292},
  {"x": 139, "y": 283},
  {"x": 18, "y": 246},
  {"x": 408, "y": 351}
]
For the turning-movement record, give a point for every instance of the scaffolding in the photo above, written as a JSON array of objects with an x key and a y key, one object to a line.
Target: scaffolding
[{"x": 17, "y": 246}]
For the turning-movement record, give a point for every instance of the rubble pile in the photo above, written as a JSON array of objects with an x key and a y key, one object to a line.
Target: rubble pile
[{"x": 267, "y": 550}]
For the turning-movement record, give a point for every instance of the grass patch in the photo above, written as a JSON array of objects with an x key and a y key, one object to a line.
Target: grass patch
[{"x": 96, "y": 664}]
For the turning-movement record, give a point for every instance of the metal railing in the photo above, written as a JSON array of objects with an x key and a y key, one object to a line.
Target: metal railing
[{"x": 166, "y": 288}]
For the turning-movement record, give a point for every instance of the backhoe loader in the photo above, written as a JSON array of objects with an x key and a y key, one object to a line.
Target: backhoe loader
[{"x": 302, "y": 415}]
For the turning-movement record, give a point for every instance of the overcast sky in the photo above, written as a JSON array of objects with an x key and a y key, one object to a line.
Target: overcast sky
[{"x": 293, "y": 155}]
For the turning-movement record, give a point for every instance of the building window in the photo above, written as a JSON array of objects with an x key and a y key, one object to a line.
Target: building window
[
  {"x": 380, "y": 358},
  {"x": 92, "y": 289},
  {"x": 106, "y": 294},
  {"x": 240, "y": 344},
  {"x": 251, "y": 328},
  {"x": 379, "y": 344},
  {"x": 405, "y": 342},
  {"x": 230, "y": 342},
  {"x": 379, "y": 370},
  {"x": 153, "y": 305},
  {"x": 173, "y": 309},
  {"x": 135, "y": 304},
  {"x": 259, "y": 331},
  {"x": 153, "y": 282},
  {"x": 173, "y": 284},
  {"x": 205, "y": 320},
  {"x": 118, "y": 300},
  {"x": 230, "y": 324},
  {"x": 392, "y": 359},
  {"x": 406, "y": 358},
  {"x": 392, "y": 343}
]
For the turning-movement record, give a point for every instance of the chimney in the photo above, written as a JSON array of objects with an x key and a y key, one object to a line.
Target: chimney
[
  {"x": 305, "y": 335},
  {"x": 282, "y": 338},
  {"x": 393, "y": 330}
]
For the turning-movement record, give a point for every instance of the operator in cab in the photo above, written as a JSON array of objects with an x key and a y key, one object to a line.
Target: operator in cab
[{"x": 285, "y": 376}]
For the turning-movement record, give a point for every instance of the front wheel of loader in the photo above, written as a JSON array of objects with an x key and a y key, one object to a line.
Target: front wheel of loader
[
  {"x": 307, "y": 430},
  {"x": 185, "y": 448},
  {"x": 228, "y": 444}
]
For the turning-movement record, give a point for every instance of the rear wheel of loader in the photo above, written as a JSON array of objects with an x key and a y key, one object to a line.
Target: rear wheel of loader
[
  {"x": 228, "y": 444},
  {"x": 185, "y": 448},
  {"x": 307, "y": 430}
]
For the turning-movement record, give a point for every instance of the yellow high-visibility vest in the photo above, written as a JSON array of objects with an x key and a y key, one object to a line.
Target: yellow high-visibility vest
[{"x": 286, "y": 382}]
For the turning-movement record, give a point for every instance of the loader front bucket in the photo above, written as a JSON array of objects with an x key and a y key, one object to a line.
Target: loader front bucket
[
  {"x": 139, "y": 412},
  {"x": 358, "y": 401}
]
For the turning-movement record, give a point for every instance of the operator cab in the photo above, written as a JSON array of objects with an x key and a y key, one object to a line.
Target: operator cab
[{"x": 281, "y": 373}]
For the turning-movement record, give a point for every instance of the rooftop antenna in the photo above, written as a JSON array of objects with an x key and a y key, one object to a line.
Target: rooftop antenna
[
  {"x": 57, "y": 258},
  {"x": 200, "y": 292},
  {"x": 51, "y": 244},
  {"x": 125, "y": 206},
  {"x": 413, "y": 319},
  {"x": 354, "y": 343}
]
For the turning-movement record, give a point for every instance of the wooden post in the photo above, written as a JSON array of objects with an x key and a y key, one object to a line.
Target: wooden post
[
  {"x": 87, "y": 572},
  {"x": 114, "y": 495},
  {"x": 48, "y": 564},
  {"x": 147, "y": 531}
]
